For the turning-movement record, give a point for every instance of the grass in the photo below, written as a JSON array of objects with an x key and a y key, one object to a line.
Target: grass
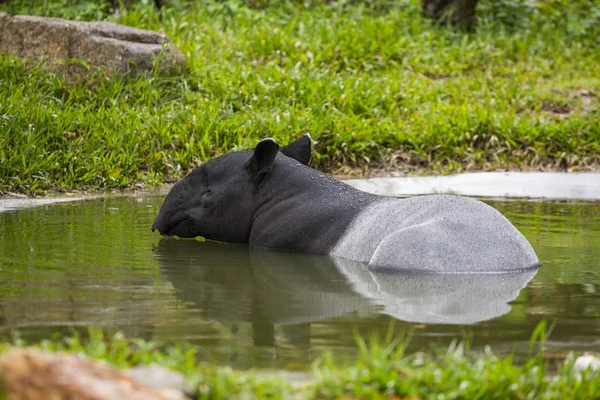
[
  {"x": 375, "y": 84},
  {"x": 383, "y": 371},
  {"x": 210, "y": 382}
]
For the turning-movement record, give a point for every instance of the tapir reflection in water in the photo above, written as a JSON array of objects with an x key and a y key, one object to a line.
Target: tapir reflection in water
[
  {"x": 283, "y": 289},
  {"x": 271, "y": 199}
]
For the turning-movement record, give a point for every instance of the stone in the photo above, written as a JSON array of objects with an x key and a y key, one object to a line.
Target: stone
[
  {"x": 464, "y": 10},
  {"x": 99, "y": 45},
  {"x": 160, "y": 377},
  {"x": 31, "y": 374}
]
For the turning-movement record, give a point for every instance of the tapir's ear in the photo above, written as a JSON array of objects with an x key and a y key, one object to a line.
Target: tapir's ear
[
  {"x": 264, "y": 154},
  {"x": 299, "y": 149}
]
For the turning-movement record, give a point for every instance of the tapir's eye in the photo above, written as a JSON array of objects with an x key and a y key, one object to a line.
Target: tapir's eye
[{"x": 206, "y": 191}]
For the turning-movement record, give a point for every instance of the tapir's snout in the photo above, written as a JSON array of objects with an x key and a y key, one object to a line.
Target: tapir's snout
[
  {"x": 159, "y": 226},
  {"x": 155, "y": 226},
  {"x": 168, "y": 223}
]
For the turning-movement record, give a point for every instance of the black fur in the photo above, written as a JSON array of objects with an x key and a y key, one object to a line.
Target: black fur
[
  {"x": 299, "y": 150},
  {"x": 266, "y": 198}
]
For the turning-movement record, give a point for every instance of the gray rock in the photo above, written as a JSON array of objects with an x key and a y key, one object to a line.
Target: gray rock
[{"x": 114, "y": 47}]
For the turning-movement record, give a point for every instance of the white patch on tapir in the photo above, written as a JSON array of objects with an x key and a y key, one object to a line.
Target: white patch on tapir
[{"x": 438, "y": 233}]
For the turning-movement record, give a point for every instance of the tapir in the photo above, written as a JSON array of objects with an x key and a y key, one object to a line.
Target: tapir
[{"x": 270, "y": 198}]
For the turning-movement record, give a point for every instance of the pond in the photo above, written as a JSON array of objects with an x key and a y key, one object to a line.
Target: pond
[{"x": 96, "y": 263}]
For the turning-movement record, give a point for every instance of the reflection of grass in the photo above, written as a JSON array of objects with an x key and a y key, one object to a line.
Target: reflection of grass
[
  {"x": 383, "y": 371},
  {"x": 564, "y": 234},
  {"x": 371, "y": 82}
]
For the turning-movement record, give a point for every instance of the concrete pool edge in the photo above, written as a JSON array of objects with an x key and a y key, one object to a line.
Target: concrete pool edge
[
  {"x": 18, "y": 203},
  {"x": 538, "y": 185},
  {"x": 13, "y": 202}
]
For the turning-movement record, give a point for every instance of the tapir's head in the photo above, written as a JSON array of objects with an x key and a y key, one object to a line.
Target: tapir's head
[{"x": 217, "y": 200}]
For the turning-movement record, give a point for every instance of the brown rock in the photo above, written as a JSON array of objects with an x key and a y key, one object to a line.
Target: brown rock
[
  {"x": 31, "y": 374},
  {"x": 100, "y": 44}
]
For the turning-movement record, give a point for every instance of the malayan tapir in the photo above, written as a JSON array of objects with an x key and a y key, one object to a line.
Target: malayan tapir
[{"x": 270, "y": 198}]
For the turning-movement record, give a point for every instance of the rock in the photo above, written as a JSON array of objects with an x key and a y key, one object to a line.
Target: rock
[
  {"x": 587, "y": 360},
  {"x": 31, "y": 374},
  {"x": 100, "y": 44},
  {"x": 159, "y": 377}
]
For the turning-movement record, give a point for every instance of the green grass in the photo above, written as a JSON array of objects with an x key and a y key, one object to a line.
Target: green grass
[
  {"x": 372, "y": 82},
  {"x": 383, "y": 371},
  {"x": 210, "y": 382}
]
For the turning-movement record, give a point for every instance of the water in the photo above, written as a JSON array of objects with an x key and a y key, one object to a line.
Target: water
[{"x": 96, "y": 263}]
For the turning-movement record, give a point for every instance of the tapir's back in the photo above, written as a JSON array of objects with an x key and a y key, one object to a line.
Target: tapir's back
[{"x": 438, "y": 234}]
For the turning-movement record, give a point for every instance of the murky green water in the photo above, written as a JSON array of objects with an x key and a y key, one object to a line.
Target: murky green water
[{"x": 97, "y": 263}]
